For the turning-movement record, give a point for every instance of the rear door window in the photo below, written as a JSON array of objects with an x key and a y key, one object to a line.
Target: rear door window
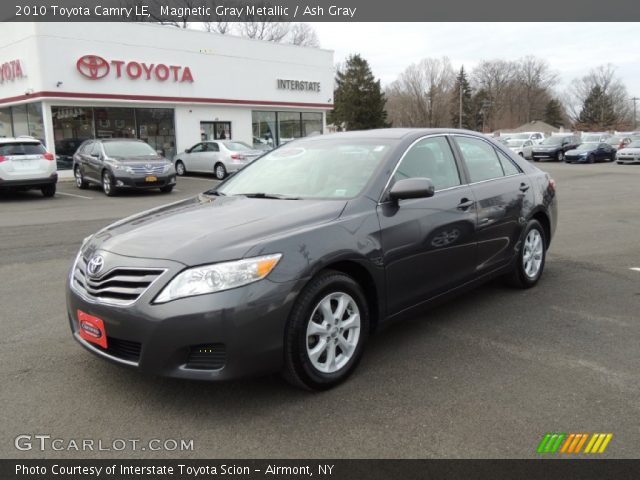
[
  {"x": 430, "y": 158},
  {"x": 481, "y": 159},
  {"x": 507, "y": 164},
  {"x": 21, "y": 148}
]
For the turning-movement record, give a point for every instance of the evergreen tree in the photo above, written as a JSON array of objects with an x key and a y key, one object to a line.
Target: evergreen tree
[
  {"x": 359, "y": 103},
  {"x": 597, "y": 111},
  {"x": 554, "y": 113},
  {"x": 468, "y": 115}
]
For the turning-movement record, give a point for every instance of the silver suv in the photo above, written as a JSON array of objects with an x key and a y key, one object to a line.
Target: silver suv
[{"x": 26, "y": 164}]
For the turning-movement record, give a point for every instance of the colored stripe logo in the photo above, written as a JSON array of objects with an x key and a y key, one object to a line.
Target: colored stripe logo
[{"x": 572, "y": 443}]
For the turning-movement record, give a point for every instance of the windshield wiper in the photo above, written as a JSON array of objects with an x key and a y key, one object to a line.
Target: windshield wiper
[{"x": 268, "y": 195}]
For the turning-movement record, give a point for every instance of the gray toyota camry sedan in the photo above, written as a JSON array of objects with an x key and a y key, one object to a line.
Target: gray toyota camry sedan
[{"x": 290, "y": 264}]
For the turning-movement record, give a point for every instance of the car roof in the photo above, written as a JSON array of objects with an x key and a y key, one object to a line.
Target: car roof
[
  {"x": 19, "y": 139},
  {"x": 392, "y": 133},
  {"x": 116, "y": 139}
]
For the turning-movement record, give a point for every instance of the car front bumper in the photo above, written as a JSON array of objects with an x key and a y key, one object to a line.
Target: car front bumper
[
  {"x": 140, "y": 182},
  {"x": 242, "y": 330},
  {"x": 628, "y": 159}
]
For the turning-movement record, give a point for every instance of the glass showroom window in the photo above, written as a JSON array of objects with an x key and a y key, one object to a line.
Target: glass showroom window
[
  {"x": 264, "y": 129},
  {"x": 71, "y": 126},
  {"x": 35, "y": 121},
  {"x": 6, "y": 129},
  {"x": 289, "y": 127},
  {"x": 20, "y": 120},
  {"x": 311, "y": 124},
  {"x": 156, "y": 127},
  {"x": 114, "y": 122}
]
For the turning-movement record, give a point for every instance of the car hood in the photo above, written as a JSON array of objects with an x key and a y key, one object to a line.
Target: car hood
[
  {"x": 577, "y": 153},
  {"x": 139, "y": 160},
  {"x": 208, "y": 229},
  {"x": 632, "y": 151}
]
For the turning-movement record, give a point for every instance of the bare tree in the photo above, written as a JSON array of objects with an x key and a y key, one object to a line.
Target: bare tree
[
  {"x": 495, "y": 78},
  {"x": 612, "y": 92},
  {"x": 420, "y": 96},
  {"x": 534, "y": 79},
  {"x": 304, "y": 35}
]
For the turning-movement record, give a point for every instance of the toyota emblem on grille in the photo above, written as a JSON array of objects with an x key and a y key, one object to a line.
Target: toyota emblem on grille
[
  {"x": 95, "y": 265},
  {"x": 148, "y": 166}
]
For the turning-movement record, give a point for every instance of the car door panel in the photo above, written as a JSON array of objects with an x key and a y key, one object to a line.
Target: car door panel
[
  {"x": 503, "y": 194},
  {"x": 428, "y": 243}
]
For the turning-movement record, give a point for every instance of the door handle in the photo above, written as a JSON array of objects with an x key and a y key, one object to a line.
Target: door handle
[
  {"x": 464, "y": 204},
  {"x": 524, "y": 187}
]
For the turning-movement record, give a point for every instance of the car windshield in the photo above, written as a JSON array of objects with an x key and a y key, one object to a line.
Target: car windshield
[
  {"x": 237, "y": 146},
  {"x": 325, "y": 168},
  {"x": 128, "y": 149},
  {"x": 22, "y": 148},
  {"x": 634, "y": 144},
  {"x": 519, "y": 136},
  {"x": 615, "y": 140},
  {"x": 556, "y": 140},
  {"x": 585, "y": 147},
  {"x": 515, "y": 142}
]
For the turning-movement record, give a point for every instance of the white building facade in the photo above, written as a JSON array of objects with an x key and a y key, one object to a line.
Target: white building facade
[{"x": 67, "y": 82}]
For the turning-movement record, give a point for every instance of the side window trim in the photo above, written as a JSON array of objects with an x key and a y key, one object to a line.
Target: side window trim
[
  {"x": 463, "y": 179},
  {"x": 496, "y": 149}
]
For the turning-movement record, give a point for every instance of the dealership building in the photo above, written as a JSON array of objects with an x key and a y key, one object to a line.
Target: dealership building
[{"x": 66, "y": 82}]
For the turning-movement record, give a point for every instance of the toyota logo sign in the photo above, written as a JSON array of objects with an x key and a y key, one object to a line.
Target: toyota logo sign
[
  {"x": 93, "y": 67},
  {"x": 95, "y": 265}
]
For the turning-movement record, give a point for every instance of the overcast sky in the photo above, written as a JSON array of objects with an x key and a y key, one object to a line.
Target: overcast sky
[{"x": 570, "y": 48}]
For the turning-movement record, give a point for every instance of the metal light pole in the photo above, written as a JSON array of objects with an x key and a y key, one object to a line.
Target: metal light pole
[
  {"x": 460, "y": 114},
  {"x": 635, "y": 118}
]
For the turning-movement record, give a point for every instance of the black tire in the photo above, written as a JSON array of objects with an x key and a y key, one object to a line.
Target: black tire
[
  {"x": 48, "y": 190},
  {"x": 181, "y": 170},
  {"x": 108, "y": 186},
  {"x": 519, "y": 278},
  {"x": 81, "y": 183},
  {"x": 166, "y": 189},
  {"x": 591, "y": 159},
  {"x": 521, "y": 154},
  {"x": 219, "y": 171},
  {"x": 536, "y": 159},
  {"x": 560, "y": 156},
  {"x": 298, "y": 367}
]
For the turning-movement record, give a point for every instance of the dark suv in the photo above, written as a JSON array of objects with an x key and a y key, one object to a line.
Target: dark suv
[
  {"x": 554, "y": 147},
  {"x": 119, "y": 163}
]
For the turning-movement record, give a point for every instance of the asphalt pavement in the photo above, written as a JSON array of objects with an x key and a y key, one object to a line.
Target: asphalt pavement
[{"x": 486, "y": 375}]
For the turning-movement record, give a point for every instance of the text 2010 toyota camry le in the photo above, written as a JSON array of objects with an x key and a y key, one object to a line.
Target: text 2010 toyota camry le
[{"x": 291, "y": 263}]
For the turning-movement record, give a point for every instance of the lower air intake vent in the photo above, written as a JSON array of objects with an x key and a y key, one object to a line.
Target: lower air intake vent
[{"x": 207, "y": 357}]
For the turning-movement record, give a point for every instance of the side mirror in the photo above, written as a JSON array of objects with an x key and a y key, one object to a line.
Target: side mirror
[{"x": 412, "y": 188}]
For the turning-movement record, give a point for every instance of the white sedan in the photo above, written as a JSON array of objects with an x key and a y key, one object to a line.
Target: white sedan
[
  {"x": 219, "y": 157},
  {"x": 517, "y": 146}
]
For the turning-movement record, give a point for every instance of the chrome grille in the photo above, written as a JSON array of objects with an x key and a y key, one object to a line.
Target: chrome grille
[
  {"x": 118, "y": 286},
  {"x": 142, "y": 169}
]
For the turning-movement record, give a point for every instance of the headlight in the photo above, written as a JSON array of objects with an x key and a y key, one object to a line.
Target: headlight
[
  {"x": 167, "y": 167},
  {"x": 85, "y": 241},
  {"x": 119, "y": 167},
  {"x": 218, "y": 277}
]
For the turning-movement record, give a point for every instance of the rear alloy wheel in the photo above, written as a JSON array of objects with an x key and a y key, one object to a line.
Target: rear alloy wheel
[
  {"x": 107, "y": 184},
  {"x": 560, "y": 156},
  {"x": 180, "y": 170},
  {"x": 220, "y": 171},
  {"x": 48, "y": 190},
  {"x": 326, "y": 333},
  {"x": 531, "y": 257},
  {"x": 80, "y": 181}
]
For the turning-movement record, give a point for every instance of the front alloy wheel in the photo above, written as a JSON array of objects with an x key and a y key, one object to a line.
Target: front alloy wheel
[
  {"x": 326, "y": 332},
  {"x": 333, "y": 332},
  {"x": 560, "y": 156},
  {"x": 107, "y": 184},
  {"x": 80, "y": 182}
]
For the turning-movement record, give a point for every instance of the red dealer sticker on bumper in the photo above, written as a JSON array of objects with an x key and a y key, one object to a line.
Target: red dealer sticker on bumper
[{"x": 92, "y": 329}]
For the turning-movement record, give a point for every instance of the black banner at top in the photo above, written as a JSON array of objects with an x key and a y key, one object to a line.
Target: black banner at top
[{"x": 316, "y": 10}]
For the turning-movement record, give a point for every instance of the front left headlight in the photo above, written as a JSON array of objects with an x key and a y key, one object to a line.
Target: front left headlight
[
  {"x": 218, "y": 277},
  {"x": 167, "y": 167}
]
